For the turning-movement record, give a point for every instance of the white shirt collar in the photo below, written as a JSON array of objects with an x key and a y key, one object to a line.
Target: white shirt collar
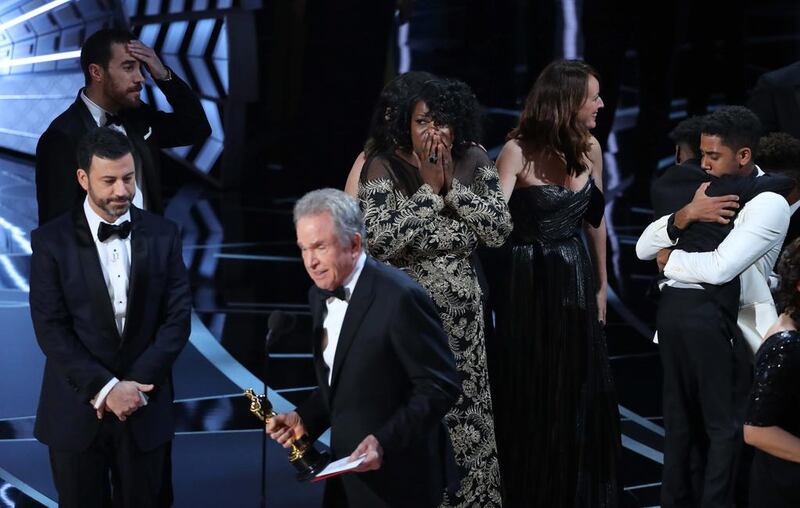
[
  {"x": 98, "y": 113},
  {"x": 94, "y": 220},
  {"x": 352, "y": 279}
]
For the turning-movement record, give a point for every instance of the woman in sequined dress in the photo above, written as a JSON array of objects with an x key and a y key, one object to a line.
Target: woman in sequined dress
[
  {"x": 429, "y": 200},
  {"x": 772, "y": 423},
  {"x": 558, "y": 424}
]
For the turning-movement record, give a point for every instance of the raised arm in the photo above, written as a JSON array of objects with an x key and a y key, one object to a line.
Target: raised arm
[
  {"x": 761, "y": 225},
  {"x": 480, "y": 204},
  {"x": 394, "y": 220}
]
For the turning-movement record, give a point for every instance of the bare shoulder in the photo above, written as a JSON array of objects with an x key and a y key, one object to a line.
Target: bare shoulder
[
  {"x": 785, "y": 323},
  {"x": 511, "y": 158}
]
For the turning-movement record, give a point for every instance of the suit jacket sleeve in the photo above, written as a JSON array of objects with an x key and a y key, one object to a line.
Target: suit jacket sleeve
[
  {"x": 56, "y": 179},
  {"x": 421, "y": 345},
  {"x": 761, "y": 225},
  {"x": 187, "y": 124},
  {"x": 653, "y": 239},
  {"x": 315, "y": 415},
  {"x": 52, "y": 323},
  {"x": 155, "y": 363}
]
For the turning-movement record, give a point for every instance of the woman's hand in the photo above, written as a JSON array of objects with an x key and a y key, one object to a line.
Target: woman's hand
[
  {"x": 602, "y": 300},
  {"x": 431, "y": 172}
]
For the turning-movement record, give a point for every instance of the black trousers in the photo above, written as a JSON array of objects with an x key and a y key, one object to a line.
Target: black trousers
[
  {"x": 706, "y": 381},
  {"x": 113, "y": 472}
]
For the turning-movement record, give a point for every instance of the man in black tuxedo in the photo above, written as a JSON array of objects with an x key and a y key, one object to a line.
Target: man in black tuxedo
[
  {"x": 110, "y": 303},
  {"x": 386, "y": 374},
  {"x": 776, "y": 100},
  {"x": 112, "y": 60}
]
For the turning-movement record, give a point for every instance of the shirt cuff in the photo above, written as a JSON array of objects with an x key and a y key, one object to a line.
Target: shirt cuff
[{"x": 100, "y": 398}]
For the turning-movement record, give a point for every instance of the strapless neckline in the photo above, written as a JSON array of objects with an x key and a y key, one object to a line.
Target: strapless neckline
[{"x": 559, "y": 187}]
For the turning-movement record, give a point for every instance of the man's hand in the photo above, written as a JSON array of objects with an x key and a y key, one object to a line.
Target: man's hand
[
  {"x": 662, "y": 258},
  {"x": 372, "y": 449},
  {"x": 124, "y": 399},
  {"x": 148, "y": 57},
  {"x": 285, "y": 428},
  {"x": 703, "y": 208}
]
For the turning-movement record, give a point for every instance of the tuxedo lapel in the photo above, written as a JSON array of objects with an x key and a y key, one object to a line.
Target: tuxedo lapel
[
  {"x": 317, "y": 304},
  {"x": 136, "y": 131},
  {"x": 357, "y": 308},
  {"x": 83, "y": 114},
  {"x": 138, "y": 273},
  {"x": 102, "y": 310}
]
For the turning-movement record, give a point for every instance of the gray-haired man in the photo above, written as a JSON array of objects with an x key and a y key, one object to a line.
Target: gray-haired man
[{"x": 386, "y": 374}]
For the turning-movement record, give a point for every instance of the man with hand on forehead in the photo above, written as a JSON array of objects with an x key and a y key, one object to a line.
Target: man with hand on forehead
[{"x": 112, "y": 61}]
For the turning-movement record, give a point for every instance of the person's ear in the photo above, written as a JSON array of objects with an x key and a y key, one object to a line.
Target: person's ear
[
  {"x": 83, "y": 179},
  {"x": 97, "y": 73},
  {"x": 744, "y": 156}
]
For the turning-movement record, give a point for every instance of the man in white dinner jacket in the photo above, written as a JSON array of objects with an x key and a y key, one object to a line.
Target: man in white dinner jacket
[{"x": 706, "y": 371}]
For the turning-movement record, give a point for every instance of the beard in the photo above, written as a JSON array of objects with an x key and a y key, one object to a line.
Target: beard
[
  {"x": 125, "y": 98},
  {"x": 116, "y": 206}
]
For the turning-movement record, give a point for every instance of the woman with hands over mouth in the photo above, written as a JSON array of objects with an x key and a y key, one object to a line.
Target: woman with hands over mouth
[{"x": 429, "y": 199}]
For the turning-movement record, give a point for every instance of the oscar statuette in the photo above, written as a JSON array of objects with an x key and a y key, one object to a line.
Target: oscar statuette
[{"x": 303, "y": 456}]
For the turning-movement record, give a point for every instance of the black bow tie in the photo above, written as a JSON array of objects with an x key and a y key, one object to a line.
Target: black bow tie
[
  {"x": 106, "y": 231},
  {"x": 336, "y": 293},
  {"x": 113, "y": 120}
]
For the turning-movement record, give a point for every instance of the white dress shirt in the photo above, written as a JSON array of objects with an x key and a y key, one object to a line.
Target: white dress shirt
[
  {"x": 749, "y": 251},
  {"x": 99, "y": 114},
  {"x": 115, "y": 261},
  {"x": 332, "y": 325}
]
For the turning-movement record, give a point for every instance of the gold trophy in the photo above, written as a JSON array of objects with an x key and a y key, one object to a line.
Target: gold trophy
[{"x": 303, "y": 456}]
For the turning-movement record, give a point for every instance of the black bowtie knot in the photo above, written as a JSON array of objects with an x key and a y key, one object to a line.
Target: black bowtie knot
[
  {"x": 106, "y": 231},
  {"x": 339, "y": 293},
  {"x": 113, "y": 120}
]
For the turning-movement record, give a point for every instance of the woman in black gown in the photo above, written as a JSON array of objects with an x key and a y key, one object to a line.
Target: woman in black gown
[
  {"x": 558, "y": 424},
  {"x": 772, "y": 423}
]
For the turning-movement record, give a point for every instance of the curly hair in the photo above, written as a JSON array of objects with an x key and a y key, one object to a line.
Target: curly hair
[
  {"x": 450, "y": 102},
  {"x": 549, "y": 120},
  {"x": 392, "y": 99},
  {"x": 736, "y": 126},
  {"x": 687, "y": 132},
  {"x": 779, "y": 152},
  {"x": 787, "y": 297}
]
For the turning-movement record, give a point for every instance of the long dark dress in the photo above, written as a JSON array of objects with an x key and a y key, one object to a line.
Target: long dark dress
[
  {"x": 558, "y": 423},
  {"x": 775, "y": 401},
  {"x": 432, "y": 238}
]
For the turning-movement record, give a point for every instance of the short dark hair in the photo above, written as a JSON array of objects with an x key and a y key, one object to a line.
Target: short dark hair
[
  {"x": 96, "y": 48},
  {"x": 787, "y": 298},
  {"x": 687, "y": 132},
  {"x": 737, "y": 126},
  {"x": 779, "y": 152},
  {"x": 102, "y": 142}
]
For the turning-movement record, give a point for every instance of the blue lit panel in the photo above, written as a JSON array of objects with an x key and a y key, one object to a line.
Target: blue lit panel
[
  {"x": 149, "y": 34},
  {"x": 203, "y": 77},
  {"x": 174, "y": 38},
  {"x": 152, "y": 7},
  {"x": 201, "y": 36}
]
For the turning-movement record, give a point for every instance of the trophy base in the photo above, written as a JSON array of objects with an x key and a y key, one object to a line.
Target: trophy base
[{"x": 310, "y": 464}]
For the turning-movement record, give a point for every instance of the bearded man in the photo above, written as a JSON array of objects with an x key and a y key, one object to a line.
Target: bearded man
[{"x": 112, "y": 62}]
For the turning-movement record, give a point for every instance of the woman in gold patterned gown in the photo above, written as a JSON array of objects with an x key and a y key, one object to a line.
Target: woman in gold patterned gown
[{"x": 428, "y": 203}]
